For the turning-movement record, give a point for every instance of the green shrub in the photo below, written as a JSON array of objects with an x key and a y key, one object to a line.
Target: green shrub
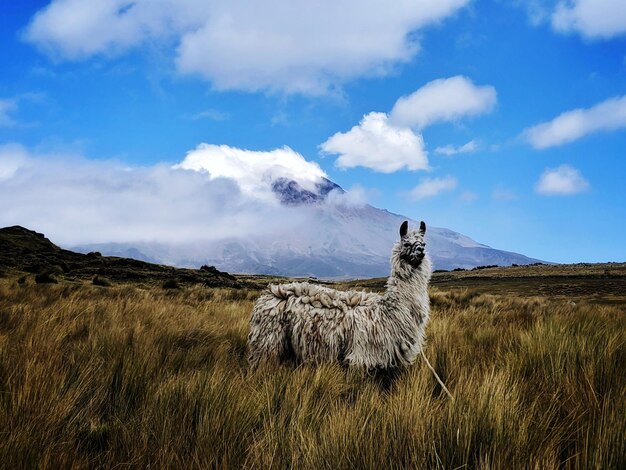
[
  {"x": 45, "y": 277},
  {"x": 171, "y": 284},
  {"x": 100, "y": 281}
]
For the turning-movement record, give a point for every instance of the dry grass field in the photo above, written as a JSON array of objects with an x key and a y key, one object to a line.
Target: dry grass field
[{"x": 132, "y": 376}]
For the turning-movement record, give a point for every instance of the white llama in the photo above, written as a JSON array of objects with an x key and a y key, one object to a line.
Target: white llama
[{"x": 309, "y": 323}]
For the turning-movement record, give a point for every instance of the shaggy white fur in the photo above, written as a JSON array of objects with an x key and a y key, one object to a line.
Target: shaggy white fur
[{"x": 310, "y": 323}]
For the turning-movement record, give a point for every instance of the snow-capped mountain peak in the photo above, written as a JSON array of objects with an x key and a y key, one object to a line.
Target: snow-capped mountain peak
[
  {"x": 291, "y": 193},
  {"x": 333, "y": 240}
]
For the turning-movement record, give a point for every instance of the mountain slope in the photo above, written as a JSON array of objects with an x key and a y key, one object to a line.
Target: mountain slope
[
  {"x": 336, "y": 240},
  {"x": 26, "y": 250}
]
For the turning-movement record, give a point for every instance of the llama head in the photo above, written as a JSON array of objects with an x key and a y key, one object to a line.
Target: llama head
[{"x": 410, "y": 249}]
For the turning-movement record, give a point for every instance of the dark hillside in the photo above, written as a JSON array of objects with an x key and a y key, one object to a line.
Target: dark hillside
[{"x": 31, "y": 252}]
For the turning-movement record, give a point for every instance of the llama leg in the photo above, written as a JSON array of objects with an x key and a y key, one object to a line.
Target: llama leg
[
  {"x": 270, "y": 343},
  {"x": 386, "y": 377}
]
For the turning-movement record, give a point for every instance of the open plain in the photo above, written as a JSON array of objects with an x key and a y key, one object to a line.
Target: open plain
[{"x": 133, "y": 374}]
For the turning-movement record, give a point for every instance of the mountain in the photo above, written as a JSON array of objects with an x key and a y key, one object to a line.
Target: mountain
[
  {"x": 290, "y": 193},
  {"x": 29, "y": 251},
  {"x": 339, "y": 239}
]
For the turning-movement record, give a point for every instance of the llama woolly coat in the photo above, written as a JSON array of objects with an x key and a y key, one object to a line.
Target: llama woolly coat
[{"x": 310, "y": 323}]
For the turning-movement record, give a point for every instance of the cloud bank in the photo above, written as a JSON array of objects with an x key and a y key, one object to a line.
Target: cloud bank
[
  {"x": 561, "y": 181},
  {"x": 75, "y": 200},
  {"x": 12, "y": 158},
  {"x": 304, "y": 47},
  {"x": 572, "y": 125},
  {"x": 253, "y": 171}
]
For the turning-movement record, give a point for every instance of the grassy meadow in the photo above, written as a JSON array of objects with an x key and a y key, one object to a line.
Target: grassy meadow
[{"x": 131, "y": 376}]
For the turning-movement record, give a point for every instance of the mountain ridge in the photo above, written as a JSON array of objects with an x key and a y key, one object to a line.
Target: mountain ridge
[
  {"x": 26, "y": 250},
  {"x": 339, "y": 240}
]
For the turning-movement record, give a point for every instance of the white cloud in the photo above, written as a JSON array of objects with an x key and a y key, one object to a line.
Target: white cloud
[
  {"x": 6, "y": 107},
  {"x": 386, "y": 142},
  {"x": 444, "y": 99},
  {"x": 375, "y": 144},
  {"x": 10, "y": 106},
  {"x": 75, "y": 30},
  {"x": 356, "y": 196},
  {"x": 538, "y": 10},
  {"x": 75, "y": 200},
  {"x": 211, "y": 114},
  {"x": 591, "y": 18},
  {"x": 450, "y": 150},
  {"x": 429, "y": 187},
  {"x": 281, "y": 45},
  {"x": 563, "y": 180},
  {"x": 572, "y": 125},
  {"x": 253, "y": 170}
]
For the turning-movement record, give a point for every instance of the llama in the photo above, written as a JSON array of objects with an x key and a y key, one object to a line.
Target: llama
[{"x": 312, "y": 324}]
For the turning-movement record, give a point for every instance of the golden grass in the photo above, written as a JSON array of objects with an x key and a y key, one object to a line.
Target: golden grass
[{"x": 130, "y": 377}]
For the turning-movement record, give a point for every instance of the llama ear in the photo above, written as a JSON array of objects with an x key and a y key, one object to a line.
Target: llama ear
[
  {"x": 422, "y": 227},
  {"x": 404, "y": 228}
]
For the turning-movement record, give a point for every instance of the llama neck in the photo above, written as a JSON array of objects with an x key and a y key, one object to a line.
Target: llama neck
[
  {"x": 407, "y": 287},
  {"x": 400, "y": 286}
]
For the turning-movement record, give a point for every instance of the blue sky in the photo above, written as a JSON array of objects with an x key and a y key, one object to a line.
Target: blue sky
[{"x": 503, "y": 120}]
